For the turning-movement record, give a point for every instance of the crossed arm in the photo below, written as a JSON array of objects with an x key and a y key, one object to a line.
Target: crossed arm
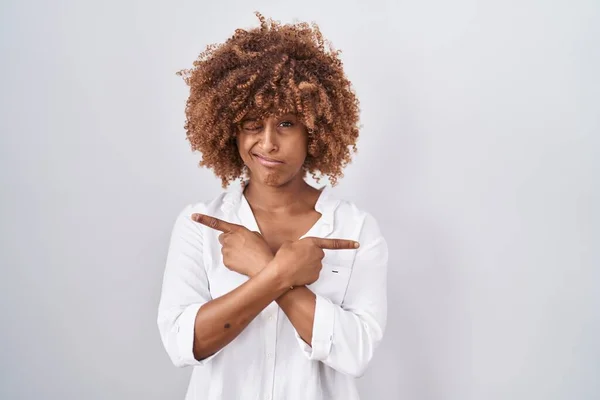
[
  {"x": 271, "y": 277},
  {"x": 342, "y": 337}
]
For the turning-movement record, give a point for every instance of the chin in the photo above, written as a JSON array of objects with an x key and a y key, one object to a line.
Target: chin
[
  {"x": 270, "y": 178},
  {"x": 273, "y": 179}
]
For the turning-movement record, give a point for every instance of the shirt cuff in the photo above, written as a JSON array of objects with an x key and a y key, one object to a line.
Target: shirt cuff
[
  {"x": 322, "y": 332},
  {"x": 185, "y": 337}
]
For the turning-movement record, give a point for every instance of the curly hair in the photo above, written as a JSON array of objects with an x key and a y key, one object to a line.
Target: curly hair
[{"x": 271, "y": 70}]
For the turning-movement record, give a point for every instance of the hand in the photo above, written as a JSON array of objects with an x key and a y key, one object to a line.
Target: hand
[
  {"x": 299, "y": 262},
  {"x": 244, "y": 251}
]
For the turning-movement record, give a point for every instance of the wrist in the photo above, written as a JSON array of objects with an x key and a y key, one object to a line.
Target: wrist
[
  {"x": 277, "y": 275},
  {"x": 261, "y": 265}
]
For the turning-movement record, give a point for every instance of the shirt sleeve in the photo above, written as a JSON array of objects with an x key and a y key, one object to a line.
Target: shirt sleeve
[
  {"x": 184, "y": 290},
  {"x": 345, "y": 337}
]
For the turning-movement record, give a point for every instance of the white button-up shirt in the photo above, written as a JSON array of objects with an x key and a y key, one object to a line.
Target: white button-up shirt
[{"x": 269, "y": 360}]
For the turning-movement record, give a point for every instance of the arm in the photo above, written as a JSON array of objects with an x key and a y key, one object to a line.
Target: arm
[
  {"x": 247, "y": 253},
  {"x": 345, "y": 337},
  {"x": 192, "y": 325},
  {"x": 221, "y": 320},
  {"x": 299, "y": 306}
]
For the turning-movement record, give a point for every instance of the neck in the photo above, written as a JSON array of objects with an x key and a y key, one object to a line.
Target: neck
[{"x": 278, "y": 198}]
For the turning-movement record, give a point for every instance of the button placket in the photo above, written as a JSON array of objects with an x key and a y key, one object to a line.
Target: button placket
[{"x": 271, "y": 318}]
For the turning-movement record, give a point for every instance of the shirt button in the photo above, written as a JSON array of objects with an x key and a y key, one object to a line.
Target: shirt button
[
  {"x": 268, "y": 355},
  {"x": 270, "y": 318}
]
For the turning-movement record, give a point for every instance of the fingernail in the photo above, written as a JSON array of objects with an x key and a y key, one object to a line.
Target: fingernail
[
  {"x": 195, "y": 217},
  {"x": 356, "y": 245}
]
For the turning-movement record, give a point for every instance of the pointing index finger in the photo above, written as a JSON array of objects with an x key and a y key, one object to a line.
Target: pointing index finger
[
  {"x": 336, "y": 244},
  {"x": 214, "y": 223}
]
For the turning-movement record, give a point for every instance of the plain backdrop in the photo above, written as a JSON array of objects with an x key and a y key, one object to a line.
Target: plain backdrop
[{"x": 478, "y": 155}]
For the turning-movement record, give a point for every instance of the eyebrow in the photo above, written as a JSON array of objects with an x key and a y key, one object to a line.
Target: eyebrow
[{"x": 280, "y": 117}]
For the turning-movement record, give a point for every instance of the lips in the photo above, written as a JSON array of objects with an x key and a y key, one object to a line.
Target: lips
[
  {"x": 266, "y": 158},
  {"x": 267, "y": 161}
]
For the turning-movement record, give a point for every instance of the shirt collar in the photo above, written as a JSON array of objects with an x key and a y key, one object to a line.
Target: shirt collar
[{"x": 235, "y": 205}]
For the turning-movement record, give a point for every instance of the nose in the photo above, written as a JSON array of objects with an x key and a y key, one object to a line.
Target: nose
[{"x": 269, "y": 140}]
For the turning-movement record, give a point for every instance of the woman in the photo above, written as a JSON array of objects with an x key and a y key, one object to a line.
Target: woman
[{"x": 274, "y": 289}]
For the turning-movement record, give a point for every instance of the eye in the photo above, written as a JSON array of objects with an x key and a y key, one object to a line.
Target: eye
[
  {"x": 251, "y": 126},
  {"x": 287, "y": 124}
]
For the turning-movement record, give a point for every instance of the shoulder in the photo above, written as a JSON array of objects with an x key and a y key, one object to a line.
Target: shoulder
[
  {"x": 209, "y": 207},
  {"x": 356, "y": 223},
  {"x": 350, "y": 216},
  {"x": 212, "y": 207}
]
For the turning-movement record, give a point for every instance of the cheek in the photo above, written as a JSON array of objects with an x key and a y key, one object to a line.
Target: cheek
[
  {"x": 295, "y": 150},
  {"x": 302, "y": 147},
  {"x": 243, "y": 146}
]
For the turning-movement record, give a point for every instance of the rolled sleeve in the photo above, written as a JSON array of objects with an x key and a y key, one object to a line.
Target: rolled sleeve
[
  {"x": 184, "y": 335},
  {"x": 184, "y": 291},
  {"x": 322, "y": 332}
]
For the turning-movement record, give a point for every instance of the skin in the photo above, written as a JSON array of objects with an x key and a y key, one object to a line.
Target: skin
[{"x": 274, "y": 259}]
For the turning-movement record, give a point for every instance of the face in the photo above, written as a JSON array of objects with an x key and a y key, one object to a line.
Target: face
[{"x": 273, "y": 148}]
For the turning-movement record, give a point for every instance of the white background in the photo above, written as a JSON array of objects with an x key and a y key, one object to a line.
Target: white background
[{"x": 478, "y": 155}]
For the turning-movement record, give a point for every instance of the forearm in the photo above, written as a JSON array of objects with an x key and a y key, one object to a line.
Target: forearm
[
  {"x": 221, "y": 320},
  {"x": 299, "y": 306}
]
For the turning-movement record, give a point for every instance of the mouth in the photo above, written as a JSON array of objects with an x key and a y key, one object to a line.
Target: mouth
[{"x": 267, "y": 161}]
